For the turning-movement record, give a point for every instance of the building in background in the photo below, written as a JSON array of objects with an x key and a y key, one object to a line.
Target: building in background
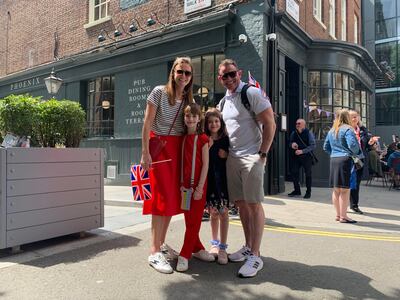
[
  {"x": 382, "y": 36},
  {"x": 111, "y": 53}
]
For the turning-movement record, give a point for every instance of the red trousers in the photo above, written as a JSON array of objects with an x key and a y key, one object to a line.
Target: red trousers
[{"x": 191, "y": 243}]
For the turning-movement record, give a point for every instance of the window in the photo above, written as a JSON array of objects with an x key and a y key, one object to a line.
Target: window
[
  {"x": 330, "y": 91},
  {"x": 386, "y": 22},
  {"x": 386, "y": 55},
  {"x": 100, "y": 106},
  {"x": 387, "y": 109},
  {"x": 355, "y": 29},
  {"x": 343, "y": 23},
  {"x": 207, "y": 91},
  {"x": 332, "y": 18},
  {"x": 317, "y": 9},
  {"x": 98, "y": 12}
]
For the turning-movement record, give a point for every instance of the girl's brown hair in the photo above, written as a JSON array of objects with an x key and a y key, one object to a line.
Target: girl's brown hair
[
  {"x": 213, "y": 112},
  {"x": 170, "y": 87},
  {"x": 194, "y": 109},
  {"x": 342, "y": 118}
]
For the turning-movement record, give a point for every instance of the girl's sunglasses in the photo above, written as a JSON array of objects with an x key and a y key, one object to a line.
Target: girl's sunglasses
[
  {"x": 181, "y": 72},
  {"x": 229, "y": 74}
]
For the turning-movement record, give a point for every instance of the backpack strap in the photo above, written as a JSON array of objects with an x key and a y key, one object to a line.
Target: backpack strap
[{"x": 243, "y": 96}]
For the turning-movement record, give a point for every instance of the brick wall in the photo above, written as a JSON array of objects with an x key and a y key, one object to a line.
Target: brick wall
[
  {"x": 321, "y": 31},
  {"x": 32, "y": 25}
]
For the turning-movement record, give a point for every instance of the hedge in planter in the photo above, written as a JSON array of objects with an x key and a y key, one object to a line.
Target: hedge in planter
[{"x": 47, "y": 122}]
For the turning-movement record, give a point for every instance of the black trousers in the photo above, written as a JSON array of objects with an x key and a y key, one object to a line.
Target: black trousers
[
  {"x": 354, "y": 194},
  {"x": 298, "y": 161}
]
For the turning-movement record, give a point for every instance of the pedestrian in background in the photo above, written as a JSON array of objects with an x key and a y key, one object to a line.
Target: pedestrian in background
[
  {"x": 341, "y": 144},
  {"x": 302, "y": 144},
  {"x": 163, "y": 118}
]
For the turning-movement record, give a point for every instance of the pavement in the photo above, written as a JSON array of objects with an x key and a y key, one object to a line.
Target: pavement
[{"x": 306, "y": 253}]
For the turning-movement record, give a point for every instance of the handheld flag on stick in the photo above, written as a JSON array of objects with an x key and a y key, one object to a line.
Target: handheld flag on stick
[
  {"x": 140, "y": 183},
  {"x": 255, "y": 83}
]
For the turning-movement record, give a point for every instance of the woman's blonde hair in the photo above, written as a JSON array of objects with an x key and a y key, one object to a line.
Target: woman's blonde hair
[
  {"x": 194, "y": 109},
  {"x": 342, "y": 118},
  {"x": 170, "y": 87}
]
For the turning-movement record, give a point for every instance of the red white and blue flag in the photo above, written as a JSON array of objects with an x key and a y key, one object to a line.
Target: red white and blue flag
[
  {"x": 140, "y": 183},
  {"x": 255, "y": 83}
]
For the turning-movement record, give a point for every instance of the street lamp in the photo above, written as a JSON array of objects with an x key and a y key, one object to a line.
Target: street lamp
[{"x": 53, "y": 83}]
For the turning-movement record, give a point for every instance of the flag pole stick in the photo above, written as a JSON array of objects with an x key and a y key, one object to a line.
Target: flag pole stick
[{"x": 160, "y": 161}]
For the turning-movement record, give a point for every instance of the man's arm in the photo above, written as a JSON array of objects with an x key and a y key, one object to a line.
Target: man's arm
[
  {"x": 311, "y": 142},
  {"x": 266, "y": 117}
]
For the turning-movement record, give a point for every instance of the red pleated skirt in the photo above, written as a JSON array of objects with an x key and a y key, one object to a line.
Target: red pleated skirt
[{"x": 165, "y": 180}]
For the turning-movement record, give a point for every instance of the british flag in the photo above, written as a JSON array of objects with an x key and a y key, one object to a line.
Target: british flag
[
  {"x": 140, "y": 183},
  {"x": 254, "y": 82}
]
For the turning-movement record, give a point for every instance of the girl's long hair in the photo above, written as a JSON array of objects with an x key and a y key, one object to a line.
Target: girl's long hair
[
  {"x": 342, "y": 118},
  {"x": 170, "y": 87},
  {"x": 194, "y": 109},
  {"x": 213, "y": 112}
]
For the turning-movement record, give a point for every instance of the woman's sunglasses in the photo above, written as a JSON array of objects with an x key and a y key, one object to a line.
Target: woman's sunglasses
[
  {"x": 181, "y": 72},
  {"x": 229, "y": 74}
]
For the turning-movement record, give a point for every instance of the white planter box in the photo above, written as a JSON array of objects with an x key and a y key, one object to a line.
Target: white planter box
[{"x": 48, "y": 192}]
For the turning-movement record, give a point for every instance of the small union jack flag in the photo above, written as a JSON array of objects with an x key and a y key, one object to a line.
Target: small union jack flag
[
  {"x": 253, "y": 81},
  {"x": 140, "y": 183}
]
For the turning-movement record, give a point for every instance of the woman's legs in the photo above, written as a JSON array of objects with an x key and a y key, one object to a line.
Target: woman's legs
[
  {"x": 224, "y": 225},
  {"x": 159, "y": 227},
  {"x": 335, "y": 200},
  {"x": 214, "y": 222},
  {"x": 344, "y": 199}
]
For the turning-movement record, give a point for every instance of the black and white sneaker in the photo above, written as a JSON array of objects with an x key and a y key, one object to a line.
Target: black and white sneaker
[
  {"x": 158, "y": 262},
  {"x": 251, "y": 267},
  {"x": 240, "y": 255}
]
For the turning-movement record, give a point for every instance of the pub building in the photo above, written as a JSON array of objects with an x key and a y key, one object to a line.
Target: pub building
[{"x": 305, "y": 74}]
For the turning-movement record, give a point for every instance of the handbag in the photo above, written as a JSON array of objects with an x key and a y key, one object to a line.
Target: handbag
[
  {"x": 156, "y": 144},
  {"x": 358, "y": 164},
  {"x": 187, "y": 193}
]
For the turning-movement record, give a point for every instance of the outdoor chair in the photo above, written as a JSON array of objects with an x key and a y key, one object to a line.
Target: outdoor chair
[
  {"x": 373, "y": 175},
  {"x": 395, "y": 174}
]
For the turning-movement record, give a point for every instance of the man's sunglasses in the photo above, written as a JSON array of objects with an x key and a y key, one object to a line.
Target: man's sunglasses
[
  {"x": 229, "y": 74},
  {"x": 181, "y": 72}
]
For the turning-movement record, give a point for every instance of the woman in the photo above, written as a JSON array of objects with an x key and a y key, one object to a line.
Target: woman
[
  {"x": 341, "y": 144},
  {"x": 164, "y": 118}
]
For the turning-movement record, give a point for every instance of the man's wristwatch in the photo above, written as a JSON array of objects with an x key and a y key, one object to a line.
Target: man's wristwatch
[{"x": 262, "y": 154}]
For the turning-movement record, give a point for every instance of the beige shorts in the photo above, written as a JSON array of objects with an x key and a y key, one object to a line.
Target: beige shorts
[{"x": 245, "y": 178}]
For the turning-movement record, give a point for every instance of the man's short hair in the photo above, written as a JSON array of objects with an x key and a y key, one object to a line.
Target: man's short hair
[{"x": 226, "y": 62}]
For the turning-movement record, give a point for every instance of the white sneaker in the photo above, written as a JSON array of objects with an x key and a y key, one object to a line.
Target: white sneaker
[
  {"x": 240, "y": 255},
  {"x": 168, "y": 252},
  {"x": 182, "y": 265},
  {"x": 251, "y": 266},
  {"x": 204, "y": 256},
  {"x": 158, "y": 262}
]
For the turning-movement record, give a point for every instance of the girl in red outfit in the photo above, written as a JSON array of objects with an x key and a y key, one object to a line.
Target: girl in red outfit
[{"x": 194, "y": 136}]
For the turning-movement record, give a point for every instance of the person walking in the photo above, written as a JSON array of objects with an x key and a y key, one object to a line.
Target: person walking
[
  {"x": 194, "y": 171},
  {"x": 217, "y": 189},
  {"x": 341, "y": 144},
  {"x": 163, "y": 119},
  {"x": 248, "y": 149},
  {"x": 302, "y": 144}
]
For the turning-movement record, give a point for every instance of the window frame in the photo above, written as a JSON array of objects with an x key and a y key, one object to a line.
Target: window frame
[
  {"x": 356, "y": 31},
  {"x": 332, "y": 18},
  {"x": 317, "y": 9},
  {"x": 343, "y": 20},
  {"x": 91, "y": 13}
]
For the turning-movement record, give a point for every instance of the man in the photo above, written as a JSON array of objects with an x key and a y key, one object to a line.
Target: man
[
  {"x": 395, "y": 168},
  {"x": 249, "y": 146},
  {"x": 302, "y": 143}
]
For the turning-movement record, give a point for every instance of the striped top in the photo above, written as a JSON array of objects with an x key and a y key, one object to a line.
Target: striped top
[{"x": 165, "y": 113}]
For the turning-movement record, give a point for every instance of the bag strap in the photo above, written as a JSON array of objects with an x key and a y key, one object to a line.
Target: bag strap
[
  {"x": 311, "y": 152},
  {"x": 193, "y": 160},
  {"x": 176, "y": 116}
]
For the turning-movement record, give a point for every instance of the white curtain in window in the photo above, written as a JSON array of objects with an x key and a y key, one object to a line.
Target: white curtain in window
[
  {"x": 343, "y": 19},
  {"x": 332, "y": 19}
]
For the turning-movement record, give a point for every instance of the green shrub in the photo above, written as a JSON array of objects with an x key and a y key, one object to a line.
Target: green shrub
[{"x": 47, "y": 122}]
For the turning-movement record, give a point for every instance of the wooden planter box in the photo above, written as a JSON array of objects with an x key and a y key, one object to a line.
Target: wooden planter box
[{"x": 48, "y": 192}]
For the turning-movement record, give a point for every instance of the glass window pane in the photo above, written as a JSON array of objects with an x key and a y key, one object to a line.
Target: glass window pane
[
  {"x": 103, "y": 10},
  {"x": 314, "y": 96},
  {"x": 386, "y": 57},
  {"x": 345, "y": 82},
  {"x": 385, "y": 29},
  {"x": 326, "y": 79},
  {"x": 326, "y": 97},
  {"x": 385, "y": 9},
  {"x": 346, "y": 102},
  {"x": 351, "y": 83},
  {"x": 96, "y": 2},
  {"x": 337, "y": 97},
  {"x": 337, "y": 80},
  {"x": 314, "y": 79},
  {"x": 96, "y": 13},
  {"x": 363, "y": 97},
  {"x": 357, "y": 107}
]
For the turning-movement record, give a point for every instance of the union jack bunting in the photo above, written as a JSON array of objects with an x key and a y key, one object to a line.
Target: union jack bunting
[
  {"x": 254, "y": 82},
  {"x": 140, "y": 183}
]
